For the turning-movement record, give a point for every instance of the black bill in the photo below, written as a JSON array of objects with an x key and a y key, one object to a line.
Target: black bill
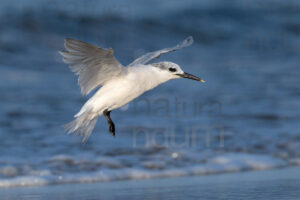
[{"x": 190, "y": 76}]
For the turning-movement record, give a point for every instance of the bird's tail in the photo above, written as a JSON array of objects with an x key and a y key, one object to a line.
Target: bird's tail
[{"x": 83, "y": 125}]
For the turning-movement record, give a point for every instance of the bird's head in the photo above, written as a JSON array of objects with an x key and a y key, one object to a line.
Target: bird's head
[{"x": 172, "y": 71}]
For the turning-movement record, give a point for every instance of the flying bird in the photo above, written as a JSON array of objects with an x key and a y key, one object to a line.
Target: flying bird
[{"x": 97, "y": 67}]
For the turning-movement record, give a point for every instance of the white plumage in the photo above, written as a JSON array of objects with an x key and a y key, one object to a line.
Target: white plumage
[{"x": 97, "y": 67}]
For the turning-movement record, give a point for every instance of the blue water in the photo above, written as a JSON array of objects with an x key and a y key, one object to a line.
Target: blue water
[
  {"x": 245, "y": 117},
  {"x": 273, "y": 184}
]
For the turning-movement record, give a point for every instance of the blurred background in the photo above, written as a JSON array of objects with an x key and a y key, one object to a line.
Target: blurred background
[{"x": 245, "y": 117}]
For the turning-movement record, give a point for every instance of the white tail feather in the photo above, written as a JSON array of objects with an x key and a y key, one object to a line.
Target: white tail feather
[{"x": 83, "y": 125}]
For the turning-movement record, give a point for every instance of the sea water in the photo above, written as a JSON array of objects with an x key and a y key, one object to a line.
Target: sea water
[{"x": 244, "y": 117}]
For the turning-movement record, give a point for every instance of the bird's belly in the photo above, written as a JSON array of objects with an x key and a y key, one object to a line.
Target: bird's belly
[
  {"x": 116, "y": 95},
  {"x": 124, "y": 96}
]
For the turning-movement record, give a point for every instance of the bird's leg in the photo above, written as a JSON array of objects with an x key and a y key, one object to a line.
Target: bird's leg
[{"x": 110, "y": 123}]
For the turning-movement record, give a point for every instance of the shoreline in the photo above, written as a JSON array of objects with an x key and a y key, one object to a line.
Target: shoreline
[
  {"x": 219, "y": 164},
  {"x": 274, "y": 183}
]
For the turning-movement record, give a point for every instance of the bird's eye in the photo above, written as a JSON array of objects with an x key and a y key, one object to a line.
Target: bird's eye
[{"x": 171, "y": 69}]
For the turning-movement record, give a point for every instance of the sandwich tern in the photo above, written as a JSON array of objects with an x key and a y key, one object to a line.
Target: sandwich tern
[{"x": 97, "y": 67}]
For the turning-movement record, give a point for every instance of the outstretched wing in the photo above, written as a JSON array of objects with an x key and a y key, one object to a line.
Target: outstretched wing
[
  {"x": 156, "y": 54},
  {"x": 93, "y": 64}
]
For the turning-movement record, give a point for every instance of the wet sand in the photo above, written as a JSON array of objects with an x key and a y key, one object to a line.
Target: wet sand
[{"x": 273, "y": 184}]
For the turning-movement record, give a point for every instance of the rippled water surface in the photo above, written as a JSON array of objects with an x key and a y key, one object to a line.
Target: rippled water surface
[
  {"x": 245, "y": 117},
  {"x": 273, "y": 184}
]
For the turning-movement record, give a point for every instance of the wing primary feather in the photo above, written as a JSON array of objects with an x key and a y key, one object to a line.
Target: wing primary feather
[
  {"x": 94, "y": 65},
  {"x": 156, "y": 54}
]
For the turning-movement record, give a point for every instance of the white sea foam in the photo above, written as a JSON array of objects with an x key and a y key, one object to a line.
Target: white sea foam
[{"x": 115, "y": 170}]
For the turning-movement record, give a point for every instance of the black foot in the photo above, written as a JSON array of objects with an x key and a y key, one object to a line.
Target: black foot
[
  {"x": 110, "y": 123},
  {"x": 111, "y": 127}
]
